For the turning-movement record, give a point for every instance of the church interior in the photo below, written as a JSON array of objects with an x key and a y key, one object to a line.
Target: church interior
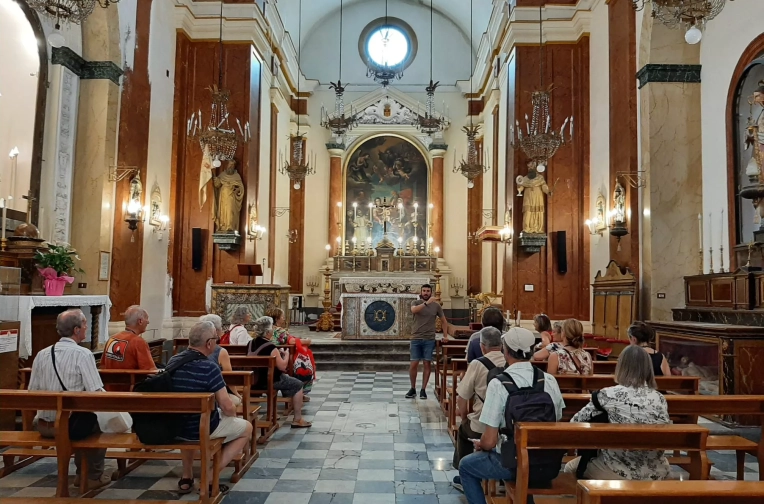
[{"x": 596, "y": 160}]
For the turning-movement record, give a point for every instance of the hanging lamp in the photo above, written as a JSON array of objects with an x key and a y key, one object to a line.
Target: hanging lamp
[
  {"x": 384, "y": 73},
  {"x": 430, "y": 122}
]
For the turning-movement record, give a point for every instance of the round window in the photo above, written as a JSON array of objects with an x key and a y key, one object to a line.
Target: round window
[{"x": 387, "y": 43}]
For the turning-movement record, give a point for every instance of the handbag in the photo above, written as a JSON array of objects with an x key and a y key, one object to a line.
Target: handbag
[
  {"x": 114, "y": 422},
  {"x": 587, "y": 455},
  {"x": 81, "y": 423}
]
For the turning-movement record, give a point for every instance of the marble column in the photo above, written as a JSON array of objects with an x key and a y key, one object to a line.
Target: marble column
[
  {"x": 436, "y": 195},
  {"x": 335, "y": 193}
]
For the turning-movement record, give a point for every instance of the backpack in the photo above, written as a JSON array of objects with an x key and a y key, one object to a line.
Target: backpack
[
  {"x": 225, "y": 339},
  {"x": 161, "y": 428},
  {"x": 527, "y": 404}
]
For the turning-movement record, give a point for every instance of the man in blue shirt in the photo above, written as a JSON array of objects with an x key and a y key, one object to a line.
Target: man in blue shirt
[
  {"x": 492, "y": 317},
  {"x": 204, "y": 376}
]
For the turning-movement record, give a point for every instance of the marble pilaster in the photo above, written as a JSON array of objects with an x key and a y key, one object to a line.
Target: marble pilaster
[
  {"x": 436, "y": 195},
  {"x": 336, "y": 153}
]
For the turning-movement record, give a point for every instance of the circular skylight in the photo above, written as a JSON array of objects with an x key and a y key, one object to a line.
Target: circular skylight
[{"x": 387, "y": 46}]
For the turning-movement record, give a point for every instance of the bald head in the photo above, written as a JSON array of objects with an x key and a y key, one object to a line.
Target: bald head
[
  {"x": 136, "y": 319},
  {"x": 72, "y": 324}
]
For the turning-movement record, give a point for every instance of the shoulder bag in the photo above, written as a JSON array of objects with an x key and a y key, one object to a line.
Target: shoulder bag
[{"x": 81, "y": 423}]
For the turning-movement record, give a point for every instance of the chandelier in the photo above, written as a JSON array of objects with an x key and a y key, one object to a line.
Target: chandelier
[
  {"x": 430, "y": 123},
  {"x": 73, "y": 11},
  {"x": 384, "y": 73},
  {"x": 692, "y": 14},
  {"x": 471, "y": 167},
  {"x": 218, "y": 140},
  {"x": 541, "y": 140}
]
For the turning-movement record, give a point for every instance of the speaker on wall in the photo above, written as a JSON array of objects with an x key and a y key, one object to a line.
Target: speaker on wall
[
  {"x": 562, "y": 252},
  {"x": 196, "y": 249}
]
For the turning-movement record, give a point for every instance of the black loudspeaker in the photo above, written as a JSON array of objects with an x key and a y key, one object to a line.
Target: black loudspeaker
[
  {"x": 562, "y": 252},
  {"x": 196, "y": 249}
]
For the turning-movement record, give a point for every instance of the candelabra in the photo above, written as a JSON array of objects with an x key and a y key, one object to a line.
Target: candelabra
[
  {"x": 312, "y": 283},
  {"x": 326, "y": 320},
  {"x": 438, "y": 323},
  {"x": 456, "y": 284},
  {"x": 711, "y": 260}
]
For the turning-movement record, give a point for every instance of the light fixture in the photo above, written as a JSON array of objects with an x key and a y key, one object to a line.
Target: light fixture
[
  {"x": 429, "y": 123},
  {"x": 692, "y": 14},
  {"x": 617, "y": 216},
  {"x": 219, "y": 140},
  {"x": 292, "y": 236},
  {"x": 336, "y": 122},
  {"x": 384, "y": 73},
  {"x": 472, "y": 167},
  {"x": 256, "y": 232},
  {"x": 498, "y": 234},
  {"x": 70, "y": 11},
  {"x": 134, "y": 214},
  {"x": 160, "y": 228},
  {"x": 598, "y": 224},
  {"x": 297, "y": 165},
  {"x": 541, "y": 140}
]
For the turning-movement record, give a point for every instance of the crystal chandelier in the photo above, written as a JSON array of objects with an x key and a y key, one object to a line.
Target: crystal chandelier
[
  {"x": 384, "y": 73},
  {"x": 336, "y": 122},
  {"x": 471, "y": 167},
  {"x": 72, "y": 11},
  {"x": 541, "y": 140},
  {"x": 297, "y": 165},
  {"x": 430, "y": 123},
  {"x": 692, "y": 14},
  {"x": 218, "y": 140}
]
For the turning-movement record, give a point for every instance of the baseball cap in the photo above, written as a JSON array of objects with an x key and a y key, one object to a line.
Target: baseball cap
[{"x": 519, "y": 339}]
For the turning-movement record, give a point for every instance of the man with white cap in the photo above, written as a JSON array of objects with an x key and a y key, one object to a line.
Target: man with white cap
[{"x": 540, "y": 394}]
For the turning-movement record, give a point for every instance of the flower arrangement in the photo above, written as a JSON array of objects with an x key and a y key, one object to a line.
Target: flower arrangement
[{"x": 56, "y": 266}]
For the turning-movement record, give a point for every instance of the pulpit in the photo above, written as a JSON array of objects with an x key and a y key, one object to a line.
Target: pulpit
[{"x": 258, "y": 298}]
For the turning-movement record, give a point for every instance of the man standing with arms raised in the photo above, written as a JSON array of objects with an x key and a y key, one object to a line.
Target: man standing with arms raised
[{"x": 426, "y": 311}]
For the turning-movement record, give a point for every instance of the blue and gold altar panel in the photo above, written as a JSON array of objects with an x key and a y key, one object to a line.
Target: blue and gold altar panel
[{"x": 377, "y": 316}]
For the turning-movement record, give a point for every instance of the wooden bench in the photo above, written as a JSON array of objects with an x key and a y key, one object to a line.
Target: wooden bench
[
  {"x": 673, "y": 492},
  {"x": 27, "y": 445},
  {"x": 600, "y": 367},
  {"x": 448, "y": 352},
  {"x": 686, "y": 409},
  {"x": 533, "y": 436},
  {"x": 578, "y": 383},
  {"x": 68, "y": 402},
  {"x": 268, "y": 424},
  {"x": 439, "y": 363}
]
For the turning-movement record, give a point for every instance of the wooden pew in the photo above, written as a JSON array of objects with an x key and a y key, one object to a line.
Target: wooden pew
[
  {"x": 577, "y": 383},
  {"x": 448, "y": 352},
  {"x": 674, "y": 492},
  {"x": 269, "y": 423},
  {"x": 686, "y": 409},
  {"x": 68, "y": 402},
  {"x": 439, "y": 363},
  {"x": 28, "y": 445},
  {"x": 531, "y": 436},
  {"x": 600, "y": 367}
]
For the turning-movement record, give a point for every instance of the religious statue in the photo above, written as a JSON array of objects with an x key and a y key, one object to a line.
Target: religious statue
[
  {"x": 534, "y": 188},
  {"x": 136, "y": 188},
  {"x": 229, "y": 196},
  {"x": 755, "y": 136},
  {"x": 619, "y": 203}
]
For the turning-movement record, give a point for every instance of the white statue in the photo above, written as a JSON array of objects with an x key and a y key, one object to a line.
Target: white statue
[{"x": 619, "y": 202}]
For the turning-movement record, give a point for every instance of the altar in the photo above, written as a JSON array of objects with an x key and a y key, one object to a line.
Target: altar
[{"x": 377, "y": 316}]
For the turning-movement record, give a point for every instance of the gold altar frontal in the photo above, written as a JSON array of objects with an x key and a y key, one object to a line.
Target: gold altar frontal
[{"x": 257, "y": 298}]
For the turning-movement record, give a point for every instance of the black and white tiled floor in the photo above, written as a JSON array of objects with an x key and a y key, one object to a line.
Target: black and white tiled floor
[{"x": 368, "y": 445}]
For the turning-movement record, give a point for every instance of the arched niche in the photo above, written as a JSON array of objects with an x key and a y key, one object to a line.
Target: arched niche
[{"x": 24, "y": 72}]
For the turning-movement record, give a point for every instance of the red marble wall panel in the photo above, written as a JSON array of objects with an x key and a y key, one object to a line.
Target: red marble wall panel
[
  {"x": 272, "y": 190},
  {"x": 474, "y": 222},
  {"x": 297, "y": 223}
]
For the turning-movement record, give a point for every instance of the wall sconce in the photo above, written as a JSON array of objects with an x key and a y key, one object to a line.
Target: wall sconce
[
  {"x": 161, "y": 227},
  {"x": 292, "y": 235},
  {"x": 618, "y": 214},
  {"x": 255, "y": 232},
  {"x": 598, "y": 224},
  {"x": 505, "y": 234},
  {"x": 134, "y": 214}
]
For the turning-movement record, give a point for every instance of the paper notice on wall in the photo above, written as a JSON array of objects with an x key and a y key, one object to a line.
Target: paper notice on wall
[{"x": 9, "y": 340}]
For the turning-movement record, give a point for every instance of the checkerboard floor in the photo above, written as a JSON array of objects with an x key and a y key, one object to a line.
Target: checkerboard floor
[{"x": 368, "y": 444}]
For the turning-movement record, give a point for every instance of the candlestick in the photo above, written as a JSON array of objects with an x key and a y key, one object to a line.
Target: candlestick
[
  {"x": 339, "y": 245},
  {"x": 5, "y": 210},
  {"x": 328, "y": 249},
  {"x": 355, "y": 210},
  {"x": 371, "y": 206},
  {"x": 14, "y": 155},
  {"x": 700, "y": 242},
  {"x": 711, "y": 260},
  {"x": 721, "y": 246}
]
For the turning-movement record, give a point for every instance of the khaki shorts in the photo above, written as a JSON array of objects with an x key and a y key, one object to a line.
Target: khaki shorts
[{"x": 229, "y": 428}]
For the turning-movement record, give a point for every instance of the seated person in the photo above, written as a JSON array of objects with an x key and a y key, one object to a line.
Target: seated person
[
  {"x": 220, "y": 355},
  {"x": 633, "y": 401},
  {"x": 570, "y": 357},
  {"x": 641, "y": 335},
  {"x": 128, "y": 349},
  {"x": 288, "y": 385},
  {"x": 280, "y": 335},
  {"x": 543, "y": 326},
  {"x": 473, "y": 386},
  {"x": 486, "y": 462},
  {"x": 304, "y": 363},
  {"x": 492, "y": 317},
  {"x": 203, "y": 375},
  {"x": 238, "y": 334}
]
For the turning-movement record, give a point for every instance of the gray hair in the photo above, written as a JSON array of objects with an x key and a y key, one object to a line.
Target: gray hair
[
  {"x": 634, "y": 368},
  {"x": 239, "y": 315},
  {"x": 133, "y": 314},
  {"x": 215, "y": 319},
  {"x": 200, "y": 333},
  {"x": 263, "y": 326},
  {"x": 557, "y": 327},
  {"x": 68, "y": 320},
  {"x": 490, "y": 337}
]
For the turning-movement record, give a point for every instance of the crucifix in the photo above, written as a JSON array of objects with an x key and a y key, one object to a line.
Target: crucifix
[{"x": 29, "y": 199}]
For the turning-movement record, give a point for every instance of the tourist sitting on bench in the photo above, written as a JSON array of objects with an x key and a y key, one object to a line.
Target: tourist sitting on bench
[
  {"x": 128, "y": 349},
  {"x": 237, "y": 333},
  {"x": 492, "y": 317},
  {"x": 203, "y": 375},
  {"x": 634, "y": 400},
  {"x": 220, "y": 355}
]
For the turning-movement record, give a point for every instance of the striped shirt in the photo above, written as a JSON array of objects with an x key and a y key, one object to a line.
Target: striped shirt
[
  {"x": 197, "y": 376},
  {"x": 76, "y": 367}
]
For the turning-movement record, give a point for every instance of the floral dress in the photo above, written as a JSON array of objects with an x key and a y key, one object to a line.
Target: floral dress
[
  {"x": 304, "y": 363},
  {"x": 565, "y": 359},
  {"x": 628, "y": 405}
]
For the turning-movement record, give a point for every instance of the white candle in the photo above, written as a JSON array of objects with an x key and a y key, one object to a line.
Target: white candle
[
  {"x": 14, "y": 155},
  {"x": 710, "y": 233},
  {"x": 328, "y": 249},
  {"x": 371, "y": 206},
  {"x": 700, "y": 231},
  {"x": 5, "y": 210},
  {"x": 41, "y": 222},
  {"x": 355, "y": 210}
]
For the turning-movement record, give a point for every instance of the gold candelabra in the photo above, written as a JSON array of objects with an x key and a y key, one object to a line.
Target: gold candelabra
[
  {"x": 312, "y": 283},
  {"x": 326, "y": 321}
]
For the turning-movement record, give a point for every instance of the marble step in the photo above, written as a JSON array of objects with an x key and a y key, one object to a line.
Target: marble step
[
  {"x": 370, "y": 365},
  {"x": 360, "y": 355}
]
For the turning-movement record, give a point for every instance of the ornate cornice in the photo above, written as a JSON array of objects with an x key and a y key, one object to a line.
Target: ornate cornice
[
  {"x": 668, "y": 73},
  {"x": 86, "y": 69}
]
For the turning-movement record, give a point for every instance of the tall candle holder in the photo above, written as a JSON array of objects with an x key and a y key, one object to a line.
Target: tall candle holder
[
  {"x": 721, "y": 246},
  {"x": 700, "y": 262},
  {"x": 438, "y": 323},
  {"x": 711, "y": 260},
  {"x": 326, "y": 320}
]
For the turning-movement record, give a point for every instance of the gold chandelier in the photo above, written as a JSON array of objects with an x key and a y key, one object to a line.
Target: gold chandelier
[
  {"x": 297, "y": 166},
  {"x": 692, "y": 14},
  {"x": 72, "y": 11},
  {"x": 431, "y": 123}
]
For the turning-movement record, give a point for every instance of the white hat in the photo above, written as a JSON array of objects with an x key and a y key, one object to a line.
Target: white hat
[{"x": 519, "y": 339}]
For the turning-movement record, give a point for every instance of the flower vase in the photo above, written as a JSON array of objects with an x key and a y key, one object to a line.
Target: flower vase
[{"x": 55, "y": 286}]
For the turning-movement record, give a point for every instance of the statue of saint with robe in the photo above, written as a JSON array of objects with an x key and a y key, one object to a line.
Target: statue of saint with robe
[
  {"x": 532, "y": 188},
  {"x": 229, "y": 196}
]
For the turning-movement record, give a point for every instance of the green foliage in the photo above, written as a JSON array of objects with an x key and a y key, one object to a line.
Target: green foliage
[{"x": 59, "y": 257}]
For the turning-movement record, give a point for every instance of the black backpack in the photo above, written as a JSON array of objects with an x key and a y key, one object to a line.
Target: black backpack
[
  {"x": 161, "y": 428},
  {"x": 527, "y": 404}
]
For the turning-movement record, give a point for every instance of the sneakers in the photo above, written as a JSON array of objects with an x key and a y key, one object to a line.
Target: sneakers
[
  {"x": 422, "y": 394},
  {"x": 457, "y": 483},
  {"x": 411, "y": 394}
]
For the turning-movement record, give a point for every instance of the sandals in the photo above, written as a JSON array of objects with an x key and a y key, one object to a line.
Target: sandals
[
  {"x": 224, "y": 489},
  {"x": 188, "y": 483},
  {"x": 302, "y": 425},
  {"x": 306, "y": 399}
]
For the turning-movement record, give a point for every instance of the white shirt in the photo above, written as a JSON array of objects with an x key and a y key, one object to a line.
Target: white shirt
[
  {"x": 473, "y": 385},
  {"x": 240, "y": 336},
  {"x": 496, "y": 396},
  {"x": 76, "y": 366}
]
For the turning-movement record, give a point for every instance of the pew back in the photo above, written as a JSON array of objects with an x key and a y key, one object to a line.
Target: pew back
[{"x": 675, "y": 492}]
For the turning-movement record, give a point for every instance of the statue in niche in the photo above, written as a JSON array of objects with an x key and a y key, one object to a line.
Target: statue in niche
[
  {"x": 229, "y": 196},
  {"x": 619, "y": 203},
  {"x": 532, "y": 188},
  {"x": 755, "y": 136},
  {"x": 136, "y": 188}
]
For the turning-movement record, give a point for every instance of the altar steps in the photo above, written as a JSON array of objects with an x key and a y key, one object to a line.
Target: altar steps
[{"x": 361, "y": 355}]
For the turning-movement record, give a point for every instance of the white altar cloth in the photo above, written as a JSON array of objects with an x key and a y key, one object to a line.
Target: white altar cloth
[{"x": 20, "y": 308}]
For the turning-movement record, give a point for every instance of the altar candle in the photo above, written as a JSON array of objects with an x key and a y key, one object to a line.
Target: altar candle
[
  {"x": 41, "y": 221},
  {"x": 700, "y": 231},
  {"x": 400, "y": 212},
  {"x": 416, "y": 210},
  {"x": 355, "y": 210},
  {"x": 328, "y": 248},
  {"x": 371, "y": 206},
  {"x": 339, "y": 245},
  {"x": 429, "y": 211},
  {"x": 354, "y": 240},
  {"x": 710, "y": 232},
  {"x": 437, "y": 251},
  {"x": 721, "y": 242},
  {"x": 5, "y": 209}
]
